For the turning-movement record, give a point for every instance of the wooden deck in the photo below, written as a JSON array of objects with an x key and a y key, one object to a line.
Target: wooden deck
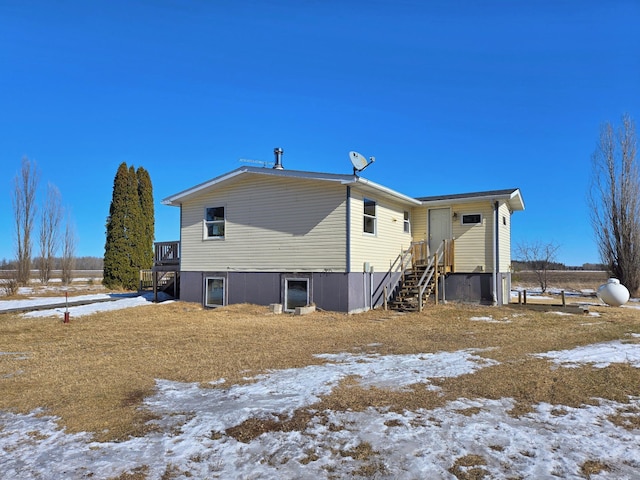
[{"x": 166, "y": 254}]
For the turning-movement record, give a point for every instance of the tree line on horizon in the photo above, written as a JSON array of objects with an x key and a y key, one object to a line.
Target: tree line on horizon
[
  {"x": 81, "y": 263},
  {"x": 130, "y": 229},
  {"x": 520, "y": 265}
]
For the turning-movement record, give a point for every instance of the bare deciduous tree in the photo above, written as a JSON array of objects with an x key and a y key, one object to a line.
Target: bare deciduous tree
[
  {"x": 540, "y": 256},
  {"x": 24, "y": 211},
  {"x": 68, "y": 259},
  {"x": 614, "y": 202},
  {"x": 49, "y": 232}
]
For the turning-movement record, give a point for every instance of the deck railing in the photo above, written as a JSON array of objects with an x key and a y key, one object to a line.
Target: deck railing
[
  {"x": 421, "y": 254},
  {"x": 395, "y": 274},
  {"x": 166, "y": 253}
]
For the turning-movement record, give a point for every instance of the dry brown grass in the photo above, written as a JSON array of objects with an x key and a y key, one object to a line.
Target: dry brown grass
[
  {"x": 95, "y": 371},
  {"x": 469, "y": 467}
]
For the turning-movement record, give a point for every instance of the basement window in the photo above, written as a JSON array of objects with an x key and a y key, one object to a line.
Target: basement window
[
  {"x": 214, "y": 222},
  {"x": 214, "y": 292},
  {"x": 471, "y": 219},
  {"x": 369, "y": 216},
  {"x": 296, "y": 293}
]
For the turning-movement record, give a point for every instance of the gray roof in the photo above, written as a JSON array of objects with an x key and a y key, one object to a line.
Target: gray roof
[
  {"x": 363, "y": 183},
  {"x": 488, "y": 193},
  {"x": 511, "y": 196}
]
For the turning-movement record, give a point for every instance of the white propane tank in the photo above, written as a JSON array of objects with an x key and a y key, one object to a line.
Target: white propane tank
[{"x": 613, "y": 293}]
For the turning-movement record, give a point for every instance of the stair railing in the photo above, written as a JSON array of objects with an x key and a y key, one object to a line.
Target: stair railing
[
  {"x": 429, "y": 272},
  {"x": 396, "y": 272}
]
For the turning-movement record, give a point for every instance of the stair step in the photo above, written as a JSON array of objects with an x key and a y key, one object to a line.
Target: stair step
[{"x": 406, "y": 297}]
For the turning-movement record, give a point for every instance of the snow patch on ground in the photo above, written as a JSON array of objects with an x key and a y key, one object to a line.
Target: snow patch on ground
[
  {"x": 599, "y": 355},
  {"x": 489, "y": 319},
  {"x": 192, "y": 442},
  {"x": 116, "y": 301}
]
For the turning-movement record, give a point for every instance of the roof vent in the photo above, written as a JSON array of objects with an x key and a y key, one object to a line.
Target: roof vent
[{"x": 278, "y": 153}]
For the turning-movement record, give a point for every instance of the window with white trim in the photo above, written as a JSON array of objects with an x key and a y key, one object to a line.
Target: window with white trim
[
  {"x": 296, "y": 293},
  {"x": 214, "y": 292},
  {"x": 369, "y": 216},
  {"x": 214, "y": 222},
  {"x": 471, "y": 219},
  {"x": 407, "y": 222}
]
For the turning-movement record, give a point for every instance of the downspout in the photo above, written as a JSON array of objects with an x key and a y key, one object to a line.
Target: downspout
[
  {"x": 348, "y": 226},
  {"x": 178, "y": 279},
  {"x": 364, "y": 290},
  {"x": 180, "y": 239},
  {"x": 495, "y": 254},
  {"x": 348, "y": 247},
  {"x": 371, "y": 287}
]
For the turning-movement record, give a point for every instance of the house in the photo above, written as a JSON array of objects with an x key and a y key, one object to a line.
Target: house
[{"x": 341, "y": 242}]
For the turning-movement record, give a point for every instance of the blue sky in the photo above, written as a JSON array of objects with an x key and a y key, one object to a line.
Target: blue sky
[{"x": 449, "y": 96}]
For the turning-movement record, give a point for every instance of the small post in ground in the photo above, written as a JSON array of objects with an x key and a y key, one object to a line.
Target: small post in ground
[{"x": 66, "y": 304}]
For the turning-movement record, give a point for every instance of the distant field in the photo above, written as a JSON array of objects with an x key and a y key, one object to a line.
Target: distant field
[
  {"x": 77, "y": 274},
  {"x": 562, "y": 279}
]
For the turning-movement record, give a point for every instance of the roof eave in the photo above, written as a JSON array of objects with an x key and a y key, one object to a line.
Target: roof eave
[
  {"x": 176, "y": 199},
  {"x": 386, "y": 191},
  {"x": 514, "y": 199}
]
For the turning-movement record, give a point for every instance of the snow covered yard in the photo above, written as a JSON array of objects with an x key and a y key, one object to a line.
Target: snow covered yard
[{"x": 278, "y": 424}]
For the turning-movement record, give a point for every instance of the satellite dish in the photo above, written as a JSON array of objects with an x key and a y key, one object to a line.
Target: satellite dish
[{"x": 359, "y": 162}]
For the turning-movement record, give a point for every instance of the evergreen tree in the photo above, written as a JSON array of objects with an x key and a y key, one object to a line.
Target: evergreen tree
[
  {"x": 145, "y": 193},
  {"x": 117, "y": 250},
  {"x": 130, "y": 229},
  {"x": 134, "y": 228}
]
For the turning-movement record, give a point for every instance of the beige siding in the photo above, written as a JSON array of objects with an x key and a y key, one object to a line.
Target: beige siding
[
  {"x": 504, "y": 240},
  {"x": 474, "y": 243},
  {"x": 419, "y": 223},
  {"x": 272, "y": 224},
  {"x": 388, "y": 242}
]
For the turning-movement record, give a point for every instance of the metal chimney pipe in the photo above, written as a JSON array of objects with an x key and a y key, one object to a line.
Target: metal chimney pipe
[{"x": 278, "y": 153}]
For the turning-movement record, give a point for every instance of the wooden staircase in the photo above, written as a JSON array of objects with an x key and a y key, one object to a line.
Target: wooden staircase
[
  {"x": 165, "y": 281},
  {"x": 419, "y": 279},
  {"x": 165, "y": 274},
  {"x": 408, "y": 292}
]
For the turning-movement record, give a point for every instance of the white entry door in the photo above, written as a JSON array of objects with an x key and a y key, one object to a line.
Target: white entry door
[{"x": 439, "y": 227}]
